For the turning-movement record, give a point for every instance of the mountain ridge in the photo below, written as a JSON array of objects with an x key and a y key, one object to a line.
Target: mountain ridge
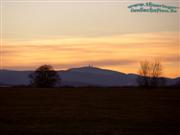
[{"x": 82, "y": 76}]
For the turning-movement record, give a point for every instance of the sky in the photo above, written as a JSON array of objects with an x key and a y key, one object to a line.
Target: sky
[{"x": 105, "y": 34}]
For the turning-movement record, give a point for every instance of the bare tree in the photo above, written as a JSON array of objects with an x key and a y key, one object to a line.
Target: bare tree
[
  {"x": 144, "y": 72},
  {"x": 149, "y": 73},
  {"x": 156, "y": 71}
]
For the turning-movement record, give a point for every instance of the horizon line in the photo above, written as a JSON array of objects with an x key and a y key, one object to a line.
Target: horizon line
[{"x": 86, "y": 67}]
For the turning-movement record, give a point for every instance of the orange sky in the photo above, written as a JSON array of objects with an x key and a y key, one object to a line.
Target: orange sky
[
  {"x": 122, "y": 53},
  {"x": 105, "y": 35}
]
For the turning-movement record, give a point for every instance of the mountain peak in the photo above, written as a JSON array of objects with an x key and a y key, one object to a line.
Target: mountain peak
[
  {"x": 85, "y": 69},
  {"x": 94, "y": 70}
]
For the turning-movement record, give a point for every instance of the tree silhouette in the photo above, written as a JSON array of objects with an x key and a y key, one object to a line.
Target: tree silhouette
[
  {"x": 45, "y": 77},
  {"x": 156, "y": 71},
  {"x": 150, "y": 72}
]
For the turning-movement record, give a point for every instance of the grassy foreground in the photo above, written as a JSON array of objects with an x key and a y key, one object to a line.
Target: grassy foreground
[{"x": 89, "y": 111}]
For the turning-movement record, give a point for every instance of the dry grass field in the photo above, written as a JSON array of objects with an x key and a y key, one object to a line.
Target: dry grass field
[{"x": 89, "y": 111}]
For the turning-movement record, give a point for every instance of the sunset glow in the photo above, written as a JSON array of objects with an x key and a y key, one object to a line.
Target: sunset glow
[{"x": 74, "y": 35}]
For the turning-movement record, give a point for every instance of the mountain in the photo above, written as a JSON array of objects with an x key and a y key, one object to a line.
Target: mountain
[
  {"x": 83, "y": 76},
  {"x": 9, "y": 77},
  {"x": 96, "y": 77}
]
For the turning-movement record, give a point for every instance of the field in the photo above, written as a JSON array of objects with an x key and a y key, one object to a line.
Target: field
[{"x": 89, "y": 111}]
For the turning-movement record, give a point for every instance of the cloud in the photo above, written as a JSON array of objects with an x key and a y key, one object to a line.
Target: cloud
[
  {"x": 98, "y": 63},
  {"x": 171, "y": 59},
  {"x": 111, "y": 52}
]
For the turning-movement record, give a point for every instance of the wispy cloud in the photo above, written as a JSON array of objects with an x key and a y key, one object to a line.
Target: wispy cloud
[{"x": 111, "y": 52}]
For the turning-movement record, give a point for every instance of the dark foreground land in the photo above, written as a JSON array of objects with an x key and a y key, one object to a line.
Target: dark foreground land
[{"x": 89, "y": 111}]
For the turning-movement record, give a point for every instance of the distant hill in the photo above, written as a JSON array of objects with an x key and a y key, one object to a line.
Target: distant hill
[{"x": 83, "y": 76}]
